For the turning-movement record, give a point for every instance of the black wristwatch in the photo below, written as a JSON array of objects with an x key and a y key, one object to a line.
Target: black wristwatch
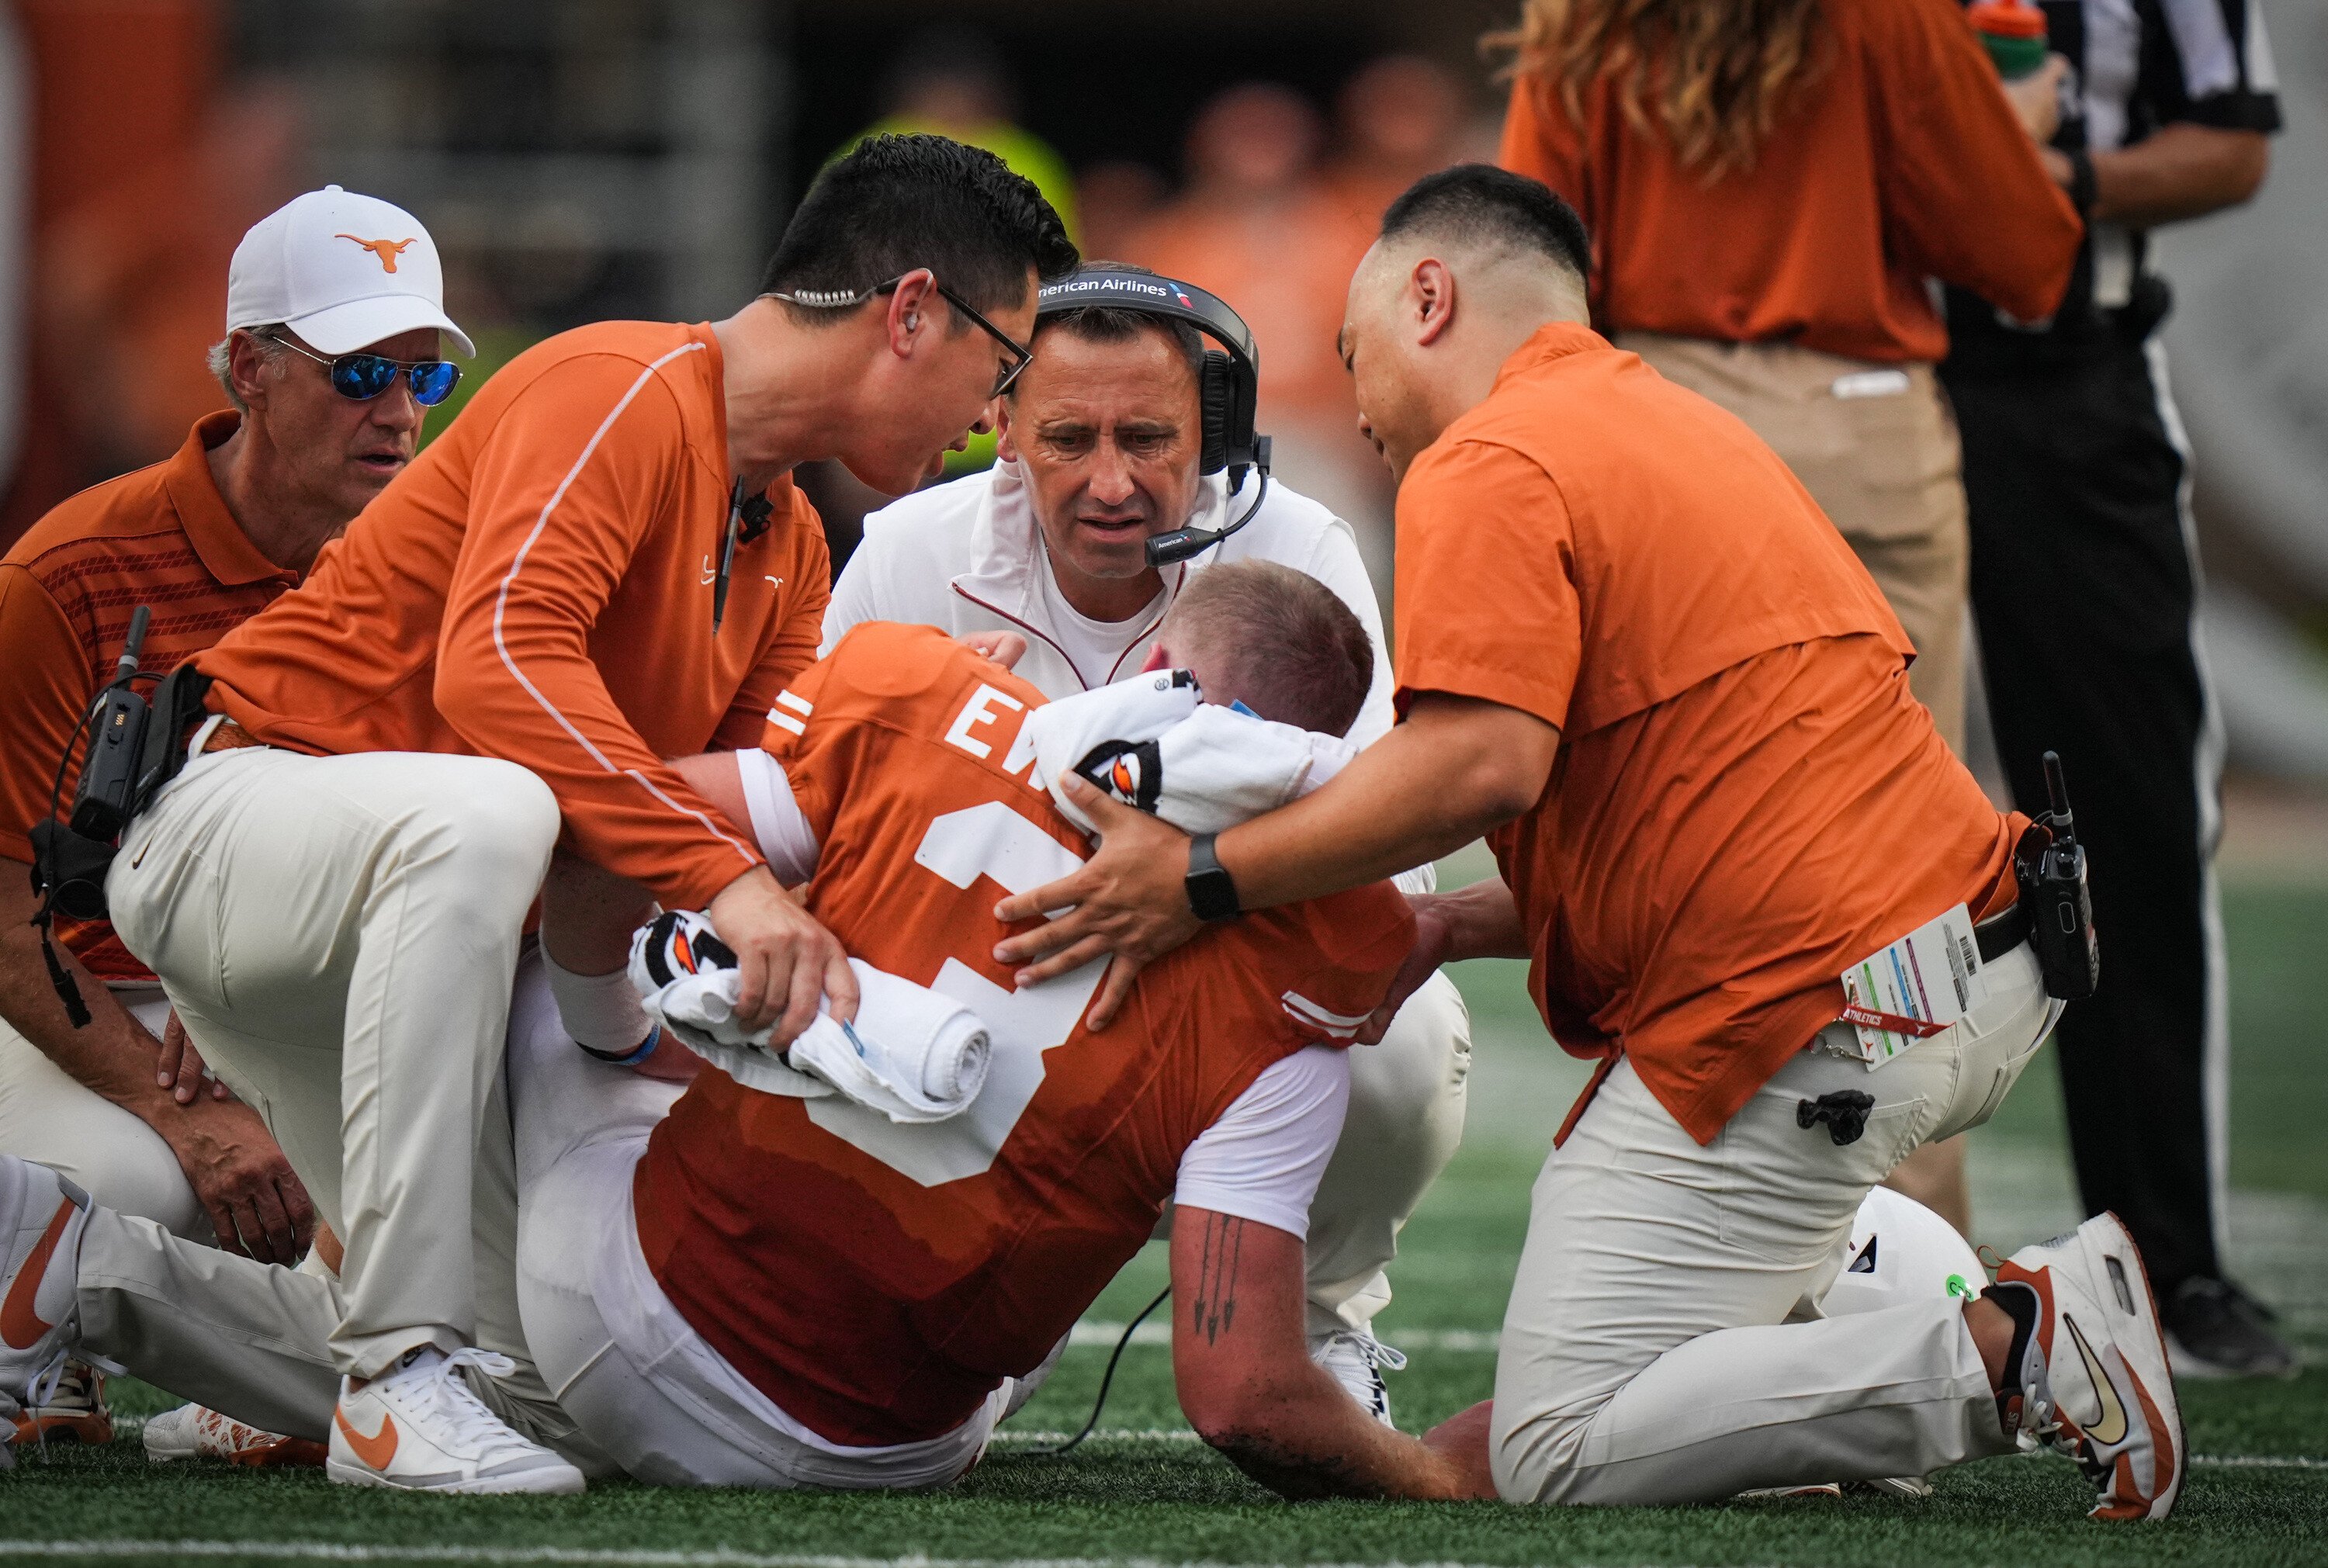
[{"x": 1212, "y": 894}]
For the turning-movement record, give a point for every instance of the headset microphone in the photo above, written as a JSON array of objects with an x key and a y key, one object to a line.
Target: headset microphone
[
  {"x": 1184, "y": 542},
  {"x": 1228, "y": 382}
]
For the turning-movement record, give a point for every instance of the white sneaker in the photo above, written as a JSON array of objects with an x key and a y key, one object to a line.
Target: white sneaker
[
  {"x": 197, "y": 1432},
  {"x": 41, "y": 1219},
  {"x": 2094, "y": 1378},
  {"x": 1356, "y": 1358},
  {"x": 418, "y": 1427}
]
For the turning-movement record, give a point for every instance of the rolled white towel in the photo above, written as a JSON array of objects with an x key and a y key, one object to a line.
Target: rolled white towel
[
  {"x": 1151, "y": 742},
  {"x": 912, "y": 1055}
]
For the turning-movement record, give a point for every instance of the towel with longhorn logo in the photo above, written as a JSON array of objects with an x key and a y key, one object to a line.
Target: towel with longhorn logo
[{"x": 1153, "y": 743}]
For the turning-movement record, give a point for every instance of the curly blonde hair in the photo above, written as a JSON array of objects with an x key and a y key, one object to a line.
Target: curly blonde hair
[{"x": 1716, "y": 73}]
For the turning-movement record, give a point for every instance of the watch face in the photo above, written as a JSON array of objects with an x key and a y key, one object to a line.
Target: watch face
[{"x": 1211, "y": 894}]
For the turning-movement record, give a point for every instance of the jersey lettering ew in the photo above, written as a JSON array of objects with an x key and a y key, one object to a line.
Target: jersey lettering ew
[{"x": 878, "y": 1280}]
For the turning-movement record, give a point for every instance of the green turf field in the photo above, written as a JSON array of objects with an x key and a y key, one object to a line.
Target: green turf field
[{"x": 1145, "y": 1491}]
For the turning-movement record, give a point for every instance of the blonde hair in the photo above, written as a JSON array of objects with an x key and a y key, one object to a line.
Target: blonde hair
[{"x": 1717, "y": 74}]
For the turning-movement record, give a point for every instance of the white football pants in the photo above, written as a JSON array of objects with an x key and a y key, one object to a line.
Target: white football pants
[
  {"x": 1407, "y": 1098},
  {"x": 1656, "y": 1349},
  {"x": 338, "y": 934},
  {"x": 49, "y": 1117},
  {"x": 633, "y": 1375}
]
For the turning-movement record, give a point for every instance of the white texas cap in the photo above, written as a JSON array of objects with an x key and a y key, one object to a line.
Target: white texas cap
[{"x": 342, "y": 270}]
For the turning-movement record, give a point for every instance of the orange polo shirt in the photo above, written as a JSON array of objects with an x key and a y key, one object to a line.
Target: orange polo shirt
[
  {"x": 538, "y": 586},
  {"x": 1746, "y": 800},
  {"x": 1901, "y": 161},
  {"x": 161, "y": 537}
]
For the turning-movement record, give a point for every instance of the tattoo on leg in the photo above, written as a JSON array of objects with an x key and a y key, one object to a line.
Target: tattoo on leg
[{"x": 1214, "y": 1307}]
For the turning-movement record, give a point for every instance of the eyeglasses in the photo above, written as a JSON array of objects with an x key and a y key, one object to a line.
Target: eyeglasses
[
  {"x": 1021, "y": 356},
  {"x": 363, "y": 377}
]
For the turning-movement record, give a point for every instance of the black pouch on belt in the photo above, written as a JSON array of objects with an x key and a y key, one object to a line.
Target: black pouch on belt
[
  {"x": 177, "y": 709},
  {"x": 72, "y": 857}
]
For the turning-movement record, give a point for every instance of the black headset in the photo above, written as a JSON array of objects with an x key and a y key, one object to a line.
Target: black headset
[{"x": 1228, "y": 383}]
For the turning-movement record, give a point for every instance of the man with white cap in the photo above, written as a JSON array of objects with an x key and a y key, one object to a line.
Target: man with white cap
[
  {"x": 601, "y": 564},
  {"x": 334, "y": 317}
]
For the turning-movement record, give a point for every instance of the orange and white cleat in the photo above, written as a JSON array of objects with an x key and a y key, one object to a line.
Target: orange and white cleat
[
  {"x": 73, "y": 1409},
  {"x": 2094, "y": 1381},
  {"x": 197, "y": 1432}
]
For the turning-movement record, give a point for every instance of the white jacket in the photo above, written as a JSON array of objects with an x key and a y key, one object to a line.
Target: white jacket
[{"x": 966, "y": 556}]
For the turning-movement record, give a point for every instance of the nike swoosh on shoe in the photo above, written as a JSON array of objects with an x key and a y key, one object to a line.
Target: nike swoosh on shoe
[{"x": 21, "y": 1326}]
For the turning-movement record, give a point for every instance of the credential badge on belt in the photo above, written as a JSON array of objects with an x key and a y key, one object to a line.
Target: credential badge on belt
[{"x": 1914, "y": 989}]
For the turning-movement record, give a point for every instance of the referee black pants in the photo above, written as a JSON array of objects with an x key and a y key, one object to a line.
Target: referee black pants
[{"x": 2084, "y": 586}]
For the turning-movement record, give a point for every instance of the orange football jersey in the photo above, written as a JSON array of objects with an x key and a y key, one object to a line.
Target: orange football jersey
[{"x": 877, "y": 1282}]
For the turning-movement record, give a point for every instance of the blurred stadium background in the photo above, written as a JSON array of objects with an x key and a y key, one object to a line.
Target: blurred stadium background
[{"x": 582, "y": 159}]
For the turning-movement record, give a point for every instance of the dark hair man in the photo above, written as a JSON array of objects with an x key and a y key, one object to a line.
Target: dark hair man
[
  {"x": 1099, "y": 452},
  {"x": 2085, "y": 585},
  {"x": 600, "y": 563},
  {"x": 1599, "y": 567},
  {"x": 207, "y": 538}
]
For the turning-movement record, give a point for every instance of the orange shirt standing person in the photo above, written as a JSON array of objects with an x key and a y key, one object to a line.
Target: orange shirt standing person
[
  {"x": 1633, "y": 653},
  {"x": 1768, "y": 189},
  {"x": 599, "y": 564}
]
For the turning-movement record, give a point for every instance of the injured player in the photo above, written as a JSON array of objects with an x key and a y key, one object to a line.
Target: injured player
[{"x": 762, "y": 1290}]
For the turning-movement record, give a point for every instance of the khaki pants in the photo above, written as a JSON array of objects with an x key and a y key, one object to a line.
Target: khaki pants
[
  {"x": 338, "y": 934},
  {"x": 1876, "y": 447},
  {"x": 1663, "y": 1344},
  {"x": 49, "y": 1117}
]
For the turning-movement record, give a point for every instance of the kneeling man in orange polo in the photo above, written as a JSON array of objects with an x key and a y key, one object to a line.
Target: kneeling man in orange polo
[{"x": 1633, "y": 652}]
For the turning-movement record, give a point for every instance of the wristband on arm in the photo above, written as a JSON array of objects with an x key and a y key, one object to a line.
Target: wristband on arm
[
  {"x": 2082, "y": 183},
  {"x": 601, "y": 1012},
  {"x": 646, "y": 1049}
]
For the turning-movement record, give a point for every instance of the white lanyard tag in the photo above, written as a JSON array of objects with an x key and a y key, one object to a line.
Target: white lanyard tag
[{"x": 1915, "y": 988}]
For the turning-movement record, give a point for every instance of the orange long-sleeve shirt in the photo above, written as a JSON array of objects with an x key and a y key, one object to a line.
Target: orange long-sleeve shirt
[
  {"x": 538, "y": 586},
  {"x": 1901, "y": 161}
]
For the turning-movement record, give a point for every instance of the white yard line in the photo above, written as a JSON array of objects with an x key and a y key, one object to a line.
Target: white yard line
[
  {"x": 1089, "y": 1333},
  {"x": 596, "y": 1557}
]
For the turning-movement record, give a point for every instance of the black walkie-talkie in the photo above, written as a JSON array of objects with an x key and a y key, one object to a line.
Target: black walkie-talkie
[
  {"x": 2061, "y": 910},
  {"x": 116, "y": 744}
]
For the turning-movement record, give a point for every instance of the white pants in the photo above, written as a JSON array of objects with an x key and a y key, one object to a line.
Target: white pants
[
  {"x": 632, "y": 1375},
  {"x": 1656, "y": 1349},
  {"x": 49, "y": 1117},
  {"x": 338, "y": 934},
  {"x": 1405, "y": 1119}
]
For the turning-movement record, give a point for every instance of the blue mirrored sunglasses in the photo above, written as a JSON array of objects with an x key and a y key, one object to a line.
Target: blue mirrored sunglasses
[{"x": 363, "y": 377}]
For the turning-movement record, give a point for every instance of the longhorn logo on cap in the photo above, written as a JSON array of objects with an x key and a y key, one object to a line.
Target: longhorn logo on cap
[{"x": 388, "y": 251}]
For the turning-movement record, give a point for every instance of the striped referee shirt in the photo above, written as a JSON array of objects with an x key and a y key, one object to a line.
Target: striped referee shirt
[{"x": 2137, "y": 66}]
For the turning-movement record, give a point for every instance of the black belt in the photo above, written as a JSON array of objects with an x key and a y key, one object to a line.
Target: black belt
[{"x": 2001, "y": 933}]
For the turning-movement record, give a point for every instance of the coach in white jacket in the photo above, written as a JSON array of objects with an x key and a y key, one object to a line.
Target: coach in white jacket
[{"x": 1099, "y": 452}]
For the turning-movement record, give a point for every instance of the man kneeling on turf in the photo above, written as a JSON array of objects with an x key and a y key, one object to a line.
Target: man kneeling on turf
[{"x": 758, "y": 1290}]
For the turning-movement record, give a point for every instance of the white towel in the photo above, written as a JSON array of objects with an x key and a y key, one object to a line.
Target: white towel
[
  {"x": 912, "y": 1055},
  {"x": 1151, "y": 742}
]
